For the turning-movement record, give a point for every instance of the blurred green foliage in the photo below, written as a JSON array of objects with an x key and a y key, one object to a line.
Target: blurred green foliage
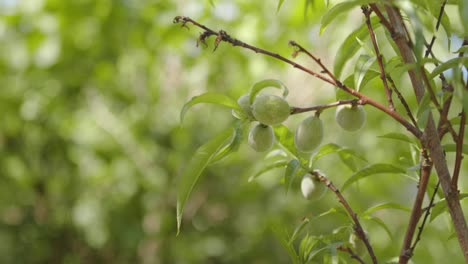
[{"x": 91, "y": 145}]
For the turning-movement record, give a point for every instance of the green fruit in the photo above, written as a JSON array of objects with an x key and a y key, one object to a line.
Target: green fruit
[
  {"x": 261, "y": 138},
  {"x": 350, "y": 118},
  {"x": 309, "y": 134},
  {"x": 244, "y": 103},
  {"x": 312, "y": 188},
  {"x": 270, "y": 109},
  {"x": 357, "y": 244}
]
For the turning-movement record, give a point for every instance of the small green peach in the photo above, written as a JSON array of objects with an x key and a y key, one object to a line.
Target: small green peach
[
  {"x": 350, "y": 117},
  {"x": 270, "y": 109},
  {"x": 261, "y": 137}
]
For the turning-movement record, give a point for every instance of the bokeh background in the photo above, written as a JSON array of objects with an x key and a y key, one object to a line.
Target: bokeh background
[{"x": 91, "y": 145}]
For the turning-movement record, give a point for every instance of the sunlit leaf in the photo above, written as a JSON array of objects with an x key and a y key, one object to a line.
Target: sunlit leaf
[
  {"x": 339, "y": 9},
  {"x": 463, "y": 12},
  {"x": 280, "y": 3},
  {"x": 202, "y": 158},
  {"x": 360, "y": 69},
  {"x": 351, "y": 46},
  {"x": 211, "y": 98},
  {"x": 370, "y": 170},
  {"x": 450, "y": 64}
]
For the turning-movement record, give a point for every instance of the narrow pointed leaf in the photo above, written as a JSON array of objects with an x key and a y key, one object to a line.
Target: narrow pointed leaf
[
  {"x": 386, "y": 206},
  {"x": 211, "y": 98},
  {"x": 452, "y": 63},
  {"x": 338, "y": 9},
  {"x": 269, "y": 167},
  {"x": 280, "y": 3},
  {"x": 351, "y": 45},
  {"x": 381, "y": 224},
  {"x": 290, "y": 173},
  {"x": 360, "y": 70},
  {"x": 453, "y": 148},
  {"x": 298, "y": 230},
  {"x": 202, "y": 158},
  {"x": 441, "y": 206},
  {"x": 397, "y": 136},
  {"x": 372, "y": 170}
]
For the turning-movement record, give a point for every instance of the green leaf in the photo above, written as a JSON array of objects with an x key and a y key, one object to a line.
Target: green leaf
[
  {"x": 298, "y": 230},
  {"x": 463, "y": 12},
  {"x": 233, "y": 145},
  {"x": 257, "y": 87},
  {"x": 286, "y": 138},
  {"x": 370, "y": 170},
  {"x": 380, "y": 223},
  {"x": 386, "y": 206},
  {"x": 305, "y": 248},
  {"x": 441, "y": 206},
  {"x": 269, "y": 167},
  {"x": 453, "y": 148},
  {"x": 211, "y": 98},
  {"x": 398, "y": 136},
  {"x": 280, "y": 3},
  {"x": 331, "y": 148},
  {"x": 338, "y": 9},
  {"x": 202, "y": 158},
  {"x": 351, "y": 46},
  {"x": 290, "y": 173},
  {"x": 362, "y": 66},
  {"x": 452, "y": 63}
]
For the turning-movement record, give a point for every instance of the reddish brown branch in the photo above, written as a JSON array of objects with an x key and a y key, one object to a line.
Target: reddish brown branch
[
  {"x": 425, "y": 172},
  {"x": 403, "y": 101},
  {"x": 223, "y": 36},
  {"x": 357, "y": 225},
  {"x": 388, "y": 91}
]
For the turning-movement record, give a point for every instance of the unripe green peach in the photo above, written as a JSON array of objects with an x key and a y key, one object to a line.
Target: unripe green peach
[
  {"x": 312, "y": 188},
  {"x": 309, "y": 134},
  {"x": 261, "y": 137},
  {"x": 270, "y": 109},
  {"x": 244, "y": 103},
  {"x": 357, "y": 244},
  {"x": 350, "y": 117}
]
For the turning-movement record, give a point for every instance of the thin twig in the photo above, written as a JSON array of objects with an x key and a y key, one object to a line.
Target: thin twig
[
  {"x": 439, "y": 20},
  {"x": 402, "y": 100},
  {"x": 351, "y": 253},
  {"x": 459, "y": 151},
  {"x": 317, "y": 60},
  {"x": 298, "y": 110},
  {"x": 388, "y": 91},
  {"x": 357, "y": 225},
  {"x": 426, "y": 216},
  {"x": 223, "y": 36}
]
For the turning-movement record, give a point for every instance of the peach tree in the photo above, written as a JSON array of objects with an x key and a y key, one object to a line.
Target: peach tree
[{"x": 431, "y": 113}]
